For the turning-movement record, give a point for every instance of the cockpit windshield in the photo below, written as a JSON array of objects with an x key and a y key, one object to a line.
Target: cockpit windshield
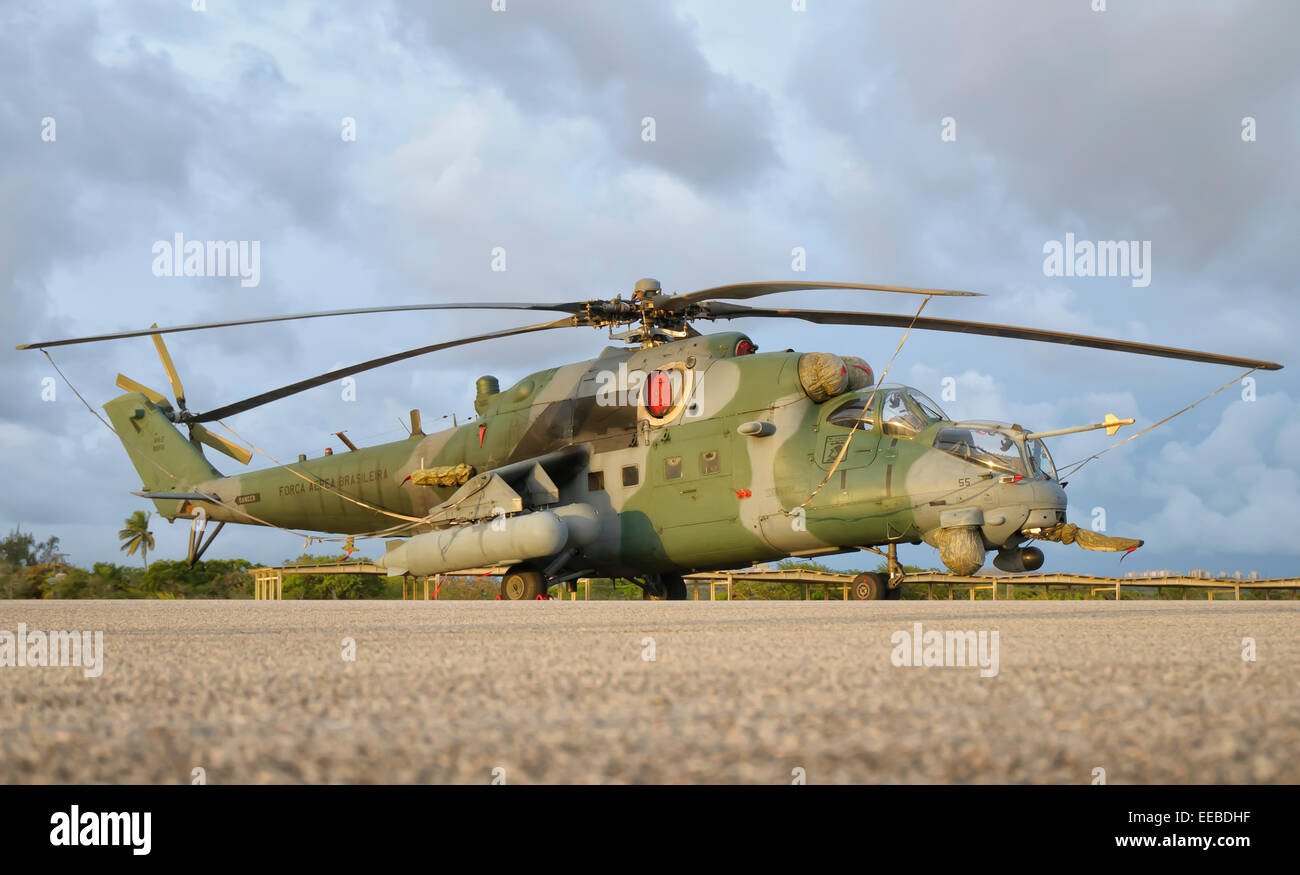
[
  {"x": 1040, "y": 460},
  {"x": 899, "y": 417},
  {"x": 929, "y": 409},
  {"x": 993, "y": 449}
]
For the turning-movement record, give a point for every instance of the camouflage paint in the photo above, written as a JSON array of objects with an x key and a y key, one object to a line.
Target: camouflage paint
[{"x": 729, "y": 503}]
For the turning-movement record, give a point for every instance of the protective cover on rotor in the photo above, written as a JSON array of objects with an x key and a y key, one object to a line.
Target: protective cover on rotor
[{"x": 823, "y": 375}]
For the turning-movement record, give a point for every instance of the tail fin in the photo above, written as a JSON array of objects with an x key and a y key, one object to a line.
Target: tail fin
[{"x": 165, "y": 459}]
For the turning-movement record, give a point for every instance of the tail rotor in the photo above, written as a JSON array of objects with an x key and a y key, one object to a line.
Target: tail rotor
[{"x": 179, "y": 414}]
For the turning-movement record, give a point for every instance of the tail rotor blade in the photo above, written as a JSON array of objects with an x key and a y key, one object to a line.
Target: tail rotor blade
[
  {"x": 177, "y": 388},
  {"x": 125, "y": 382},
  {"x": 220, "y": 444}
]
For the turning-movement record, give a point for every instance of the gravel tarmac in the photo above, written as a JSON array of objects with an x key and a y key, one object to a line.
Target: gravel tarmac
[{"x": 737, "y": 692}]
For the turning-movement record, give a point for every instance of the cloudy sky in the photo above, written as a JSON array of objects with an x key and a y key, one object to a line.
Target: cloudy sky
[{"x": 941, "y": 144}]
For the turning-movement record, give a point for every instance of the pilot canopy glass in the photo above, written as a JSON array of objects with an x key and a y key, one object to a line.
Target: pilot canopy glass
[
  {"x": 902, "y": 411},
  {"x": 1040, "y": 460},
  {"x": 993, "y": 449}
]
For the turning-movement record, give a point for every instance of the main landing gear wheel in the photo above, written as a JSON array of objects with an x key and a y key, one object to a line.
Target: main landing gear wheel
[
  {"x": 869, "y": 586},
  {"x": 672, "y": 587},
  {"x": 894, "y": 593},
  {"x": 523, "y": 584}
]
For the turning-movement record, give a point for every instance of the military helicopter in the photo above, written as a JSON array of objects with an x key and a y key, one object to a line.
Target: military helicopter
[{"x": 671, "y": 453}]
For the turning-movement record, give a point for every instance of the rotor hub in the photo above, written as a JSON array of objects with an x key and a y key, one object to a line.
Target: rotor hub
[{"x": 647, "y": 288}]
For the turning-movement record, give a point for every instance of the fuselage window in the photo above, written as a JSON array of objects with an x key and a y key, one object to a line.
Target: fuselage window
[
  {"x": 852, "y": 412},
  {"x": 595, "y": 481},
  {"x": 631, "y": 475},
  {"x": 673, "y": 468},
  {"x": 709, "y": 463}
]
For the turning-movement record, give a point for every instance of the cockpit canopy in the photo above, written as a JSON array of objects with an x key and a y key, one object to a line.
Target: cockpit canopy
[
  {"x": 993, "y": 449},
  {"x": 1000, "y": 448},
  {"x": 902, "y": 410}
]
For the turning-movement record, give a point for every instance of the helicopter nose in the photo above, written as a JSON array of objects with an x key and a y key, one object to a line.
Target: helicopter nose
[
  {"x": 1046, "y": 502},
  {"x": 1025, "y": 504}
]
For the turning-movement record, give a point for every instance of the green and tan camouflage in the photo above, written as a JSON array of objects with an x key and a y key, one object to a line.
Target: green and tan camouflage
[
  {"x": 696, "y": 454},
  {"x": 681, "y": 452}
]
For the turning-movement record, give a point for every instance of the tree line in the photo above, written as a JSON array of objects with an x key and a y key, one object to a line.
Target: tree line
[{"x": 32, "y": 569}]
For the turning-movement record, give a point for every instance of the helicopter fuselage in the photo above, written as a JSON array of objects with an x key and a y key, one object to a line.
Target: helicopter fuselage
[{"x": 695, "y": 454}]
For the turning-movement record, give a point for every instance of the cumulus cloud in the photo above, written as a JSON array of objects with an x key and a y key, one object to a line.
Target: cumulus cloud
[
  {"x": 1235, "y": 487},
  {"x": 774, "y": 130},
  {"x": 615, "y": 65}
]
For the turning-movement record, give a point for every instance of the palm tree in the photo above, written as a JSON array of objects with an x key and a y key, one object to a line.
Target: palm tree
[{"x": 137, "y": 535}]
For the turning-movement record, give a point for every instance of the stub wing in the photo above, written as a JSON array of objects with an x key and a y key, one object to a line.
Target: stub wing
[{"x": 505, "y": 516}]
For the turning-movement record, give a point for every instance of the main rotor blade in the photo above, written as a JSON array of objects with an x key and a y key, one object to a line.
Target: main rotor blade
[
  {"x": 177, "y": 389},
  {"x": 125, "y": 382},
  {"x": 926, "y": 323},
  {"x": 240, "y": 454},
  {"x": 569, "y": 307},
  {"x": 743, "y": 291},
  {"x": 313, "y": 382}
]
